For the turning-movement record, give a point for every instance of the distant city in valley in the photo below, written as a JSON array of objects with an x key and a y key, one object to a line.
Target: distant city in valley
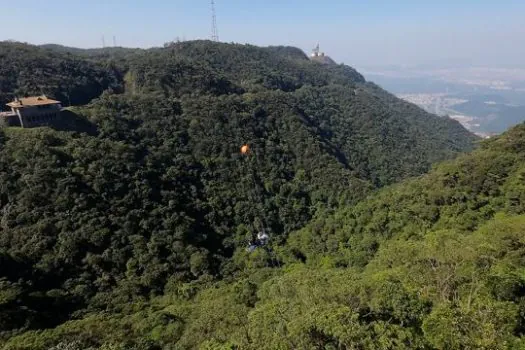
[{"x": 487, "y": 101}]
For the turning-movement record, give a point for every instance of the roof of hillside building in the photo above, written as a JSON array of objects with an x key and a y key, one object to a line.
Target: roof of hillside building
[{"x": 32, "y": 101}]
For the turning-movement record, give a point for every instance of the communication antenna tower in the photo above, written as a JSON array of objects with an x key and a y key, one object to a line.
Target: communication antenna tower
[
  {"x": 103, "y": 42},
  {"x": 214, "y": 30},
  {"x": 114, "y": 41}
]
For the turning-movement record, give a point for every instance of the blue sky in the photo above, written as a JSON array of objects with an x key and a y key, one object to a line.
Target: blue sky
[{"x": 360, "y": 33}]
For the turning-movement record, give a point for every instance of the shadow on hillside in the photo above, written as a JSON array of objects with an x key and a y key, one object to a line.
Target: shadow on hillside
[{"x": 70, "y": 121}]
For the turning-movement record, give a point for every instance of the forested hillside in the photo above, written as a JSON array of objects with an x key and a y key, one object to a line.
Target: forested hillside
[
  {"x": 431, "y": 263},
  {"x": 102, "y": 233},
  {"x": 98, "y": 53},
  {"x": 29, "y": 70}
]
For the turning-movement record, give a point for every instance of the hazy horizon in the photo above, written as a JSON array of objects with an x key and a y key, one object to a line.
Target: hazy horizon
[{"x": 378, "y": 33}]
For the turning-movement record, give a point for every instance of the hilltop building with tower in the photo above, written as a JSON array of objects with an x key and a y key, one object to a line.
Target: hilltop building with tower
[{"x": 320, "y": 57}]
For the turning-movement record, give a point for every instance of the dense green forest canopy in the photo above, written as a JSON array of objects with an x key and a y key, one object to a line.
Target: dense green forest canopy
[
  {"x": 430, "y": 263},
  {"x": 149, "y": 217},
  {"x": 29, "y": 70},
  {"x": 99, "y": 53}
]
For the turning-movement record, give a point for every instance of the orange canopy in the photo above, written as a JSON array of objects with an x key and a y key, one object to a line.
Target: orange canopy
[{"x": 245, "y": 149}]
